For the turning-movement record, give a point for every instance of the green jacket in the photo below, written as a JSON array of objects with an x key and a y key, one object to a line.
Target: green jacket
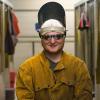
[{"x": 70, "y": 79}]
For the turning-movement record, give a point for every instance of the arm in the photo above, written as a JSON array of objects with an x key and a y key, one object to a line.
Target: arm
[
  {"x": 24, "y": 84},
  {"x": 83, "y": 86}
]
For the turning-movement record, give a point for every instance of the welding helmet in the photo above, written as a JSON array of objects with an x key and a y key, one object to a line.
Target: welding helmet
[{"x": 51, "y": 17}]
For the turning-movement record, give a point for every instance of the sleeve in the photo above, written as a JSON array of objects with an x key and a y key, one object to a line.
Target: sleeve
[
  {"x": 83, "y": 85},
  {"x": 24, "y": 85}
]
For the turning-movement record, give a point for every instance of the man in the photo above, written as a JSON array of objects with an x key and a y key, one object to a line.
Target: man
[{"x": 53, "y": 74}]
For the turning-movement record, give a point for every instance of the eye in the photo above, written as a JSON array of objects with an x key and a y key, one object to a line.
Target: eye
[
  {"x": 46, "y": 37},
  {"x": 59, "y": 36}
]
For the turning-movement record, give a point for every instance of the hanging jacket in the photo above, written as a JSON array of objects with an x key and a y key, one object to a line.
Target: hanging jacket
[
  {"x": 70, "y": 79},
  {"x": 10, "y": 37},
  {"x": 84, "y": 21},
  {"x": 15, "y": 23}
]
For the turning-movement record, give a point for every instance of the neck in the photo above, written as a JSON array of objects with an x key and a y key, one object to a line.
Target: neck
[{"x": 55, "y": 57}]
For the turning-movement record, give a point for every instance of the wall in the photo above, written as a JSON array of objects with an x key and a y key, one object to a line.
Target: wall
[{"x": 35, "y": 4}]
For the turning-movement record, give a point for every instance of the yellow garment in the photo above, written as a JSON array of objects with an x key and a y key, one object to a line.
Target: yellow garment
[{"x": 69, "y": 81}]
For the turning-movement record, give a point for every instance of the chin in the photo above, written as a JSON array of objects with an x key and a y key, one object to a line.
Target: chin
[{"x": 54, "y": 51}]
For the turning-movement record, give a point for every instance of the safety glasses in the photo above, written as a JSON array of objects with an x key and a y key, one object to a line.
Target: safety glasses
[{"x": 56, "y": 36}]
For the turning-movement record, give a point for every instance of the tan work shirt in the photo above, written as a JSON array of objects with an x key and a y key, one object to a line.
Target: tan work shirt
[{"x": 70, "y": 79}]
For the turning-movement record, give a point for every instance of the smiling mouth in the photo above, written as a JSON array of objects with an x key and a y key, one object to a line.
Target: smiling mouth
[{"x": 53, "y": 46}]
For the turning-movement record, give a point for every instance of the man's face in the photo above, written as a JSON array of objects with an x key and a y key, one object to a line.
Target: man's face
[{"x": 53, "y": 42}]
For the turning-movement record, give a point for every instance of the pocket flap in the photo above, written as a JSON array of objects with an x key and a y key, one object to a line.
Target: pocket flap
[
  {"x": 40, "y": 86},
  {"x": 67, "y": 82}
]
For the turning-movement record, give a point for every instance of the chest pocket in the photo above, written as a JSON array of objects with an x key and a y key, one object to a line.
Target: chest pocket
[
  {"x": 63, "y": 90},
  {"x": 42, "y": 93},
  {"x": 43, "y": 83},
  {"x": 68, "y": 89}
]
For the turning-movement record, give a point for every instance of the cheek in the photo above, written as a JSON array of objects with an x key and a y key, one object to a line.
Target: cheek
[
  {"x": 61, "y": 42},
  {"x": 43, "y": 43}
]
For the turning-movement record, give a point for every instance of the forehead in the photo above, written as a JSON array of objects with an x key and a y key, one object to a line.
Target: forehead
[{"x": 53, "y": 33}]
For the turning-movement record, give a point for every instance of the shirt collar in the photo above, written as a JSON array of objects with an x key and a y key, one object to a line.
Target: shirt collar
[{"x": 45, "y": 61}]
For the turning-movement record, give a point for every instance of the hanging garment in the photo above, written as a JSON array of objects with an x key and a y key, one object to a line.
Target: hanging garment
[
  {"x": 10, "y": 39},
  {"x": 15, "y": 23},
  {"x": 84, "y": 22}
]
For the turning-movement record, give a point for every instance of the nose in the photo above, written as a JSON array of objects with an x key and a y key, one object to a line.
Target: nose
[{"x": 52, "y": 40}]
